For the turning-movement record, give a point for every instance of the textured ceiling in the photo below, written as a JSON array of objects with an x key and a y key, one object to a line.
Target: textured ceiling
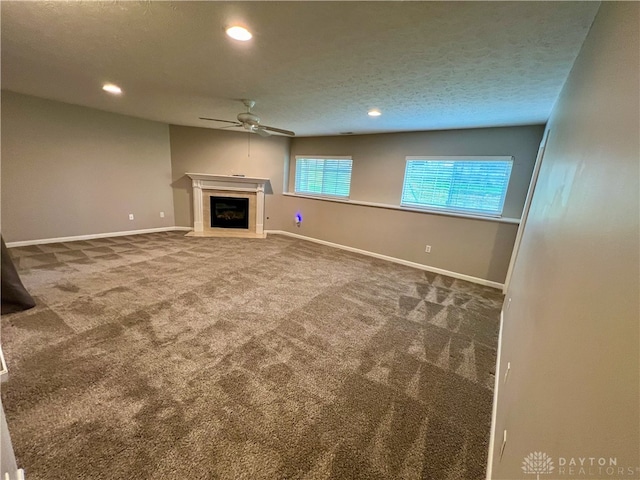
[{"x": 313, "y": 67}]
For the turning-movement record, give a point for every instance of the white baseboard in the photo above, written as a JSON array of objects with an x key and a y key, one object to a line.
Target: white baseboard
[
  {"x": 494, "y": 409},
  {"x": 400, "y": 261},
  {"x": 407, "y": 263},
  {"x": 92, "y": 236}
]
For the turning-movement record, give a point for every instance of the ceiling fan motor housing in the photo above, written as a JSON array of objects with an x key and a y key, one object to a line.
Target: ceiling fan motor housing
[{"x": 249, "y": 118}]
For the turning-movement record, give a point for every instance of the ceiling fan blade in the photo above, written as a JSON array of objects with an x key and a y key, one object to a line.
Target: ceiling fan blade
[
  {"x": 278, "y": 130},
  {"x": 261, "y": 131},
  {"x": 218, "y": 120}
]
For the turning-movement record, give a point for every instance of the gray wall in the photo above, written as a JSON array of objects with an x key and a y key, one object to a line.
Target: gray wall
[
  {"x": 571, "y": 332},
  {"x": 472, "y": 247},
  {"x": 69, "y": 170},
  {"x": 379, "y": 160},
  {"x": 203, "y": 150}
]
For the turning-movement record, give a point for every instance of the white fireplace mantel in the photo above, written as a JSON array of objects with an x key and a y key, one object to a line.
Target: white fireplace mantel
[{"x": 207, "y": 181}]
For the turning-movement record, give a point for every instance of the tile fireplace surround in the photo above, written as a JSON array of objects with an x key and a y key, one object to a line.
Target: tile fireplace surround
[{"x": 206, "y": 185}]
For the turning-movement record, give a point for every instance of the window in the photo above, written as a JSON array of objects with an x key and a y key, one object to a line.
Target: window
[
  {"x": 327, "y": 176},
  {"x": 474, "y": 185}
]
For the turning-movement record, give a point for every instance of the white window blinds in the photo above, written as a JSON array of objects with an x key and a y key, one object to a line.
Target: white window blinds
[
  {"x": 466, "y": 185},
  {"x": 323, "y": 176}
]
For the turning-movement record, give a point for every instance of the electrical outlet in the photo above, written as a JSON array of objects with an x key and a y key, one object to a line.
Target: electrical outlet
[
  {"x": 161, "y": 214},
  {"x": 427, "y": 249},
  {"x": 131, "y": 216}
]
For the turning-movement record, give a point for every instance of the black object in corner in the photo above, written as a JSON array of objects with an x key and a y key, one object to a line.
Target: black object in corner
[{"x": 15, "y": 297}]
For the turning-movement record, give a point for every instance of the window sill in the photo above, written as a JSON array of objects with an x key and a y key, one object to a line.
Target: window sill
[{"x": 514, "y": 221}]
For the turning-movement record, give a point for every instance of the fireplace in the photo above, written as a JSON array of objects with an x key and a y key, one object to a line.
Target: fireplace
[
  {"x": 238, "y": 194},
  {"x": 231, "y": 189},
  {"x": 229, "y": 212}
]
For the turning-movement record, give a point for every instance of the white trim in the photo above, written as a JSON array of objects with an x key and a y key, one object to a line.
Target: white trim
[
  {"x": 448, "y": 158},
  {"x": 234, "y": 189},
  {"x": 92, "y": 236},
  {"x": 3, "y": 367},
  {"x": 207, "y": 181},
  {"x": 400, "y": 261},
  {"x": 260, "y": 209},
  {"x": 525, "y": 209},
  {"x": 324, "y": 157},
  {"x": 461, "y": 276},
  {"x": 494, "y": 409},
  {"x": 514, "y": 221},
  {"x": 226, "y": 178}
]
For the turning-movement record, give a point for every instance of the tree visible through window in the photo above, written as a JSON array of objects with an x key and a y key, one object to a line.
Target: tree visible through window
[
  {"x": 323, "y": 176},
  {"x": 462, "y": 184}
]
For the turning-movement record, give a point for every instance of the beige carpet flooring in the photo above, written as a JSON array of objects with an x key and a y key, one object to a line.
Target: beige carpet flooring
[{"x": 165, "y": 357}]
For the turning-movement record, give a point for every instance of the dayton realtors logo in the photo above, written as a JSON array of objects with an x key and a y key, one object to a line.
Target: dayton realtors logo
[{"x": 537, "y": 463}]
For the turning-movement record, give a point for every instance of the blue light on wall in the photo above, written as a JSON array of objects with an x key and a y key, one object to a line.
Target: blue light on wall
[{"x": 298, "y": 218}]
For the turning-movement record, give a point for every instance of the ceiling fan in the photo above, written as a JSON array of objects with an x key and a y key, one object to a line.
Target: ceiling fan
[{"x": 251, "y": 122}]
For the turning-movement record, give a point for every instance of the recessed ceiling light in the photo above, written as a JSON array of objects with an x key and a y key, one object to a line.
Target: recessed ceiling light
[
  {"x": 374, "y": 112},
  {"x": 111, "y": 88},
  {"x": 239, "y": 33}
]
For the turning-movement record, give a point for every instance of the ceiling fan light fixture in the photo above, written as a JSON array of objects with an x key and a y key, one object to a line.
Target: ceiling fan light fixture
[
  {"x": 111, "y": 88},
  {"x": 374, "y": 112},
  {"x": 239, "y": 33}
]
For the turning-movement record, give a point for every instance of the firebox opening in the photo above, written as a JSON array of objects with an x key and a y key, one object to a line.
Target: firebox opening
[{"x": 229, "y": 212}]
